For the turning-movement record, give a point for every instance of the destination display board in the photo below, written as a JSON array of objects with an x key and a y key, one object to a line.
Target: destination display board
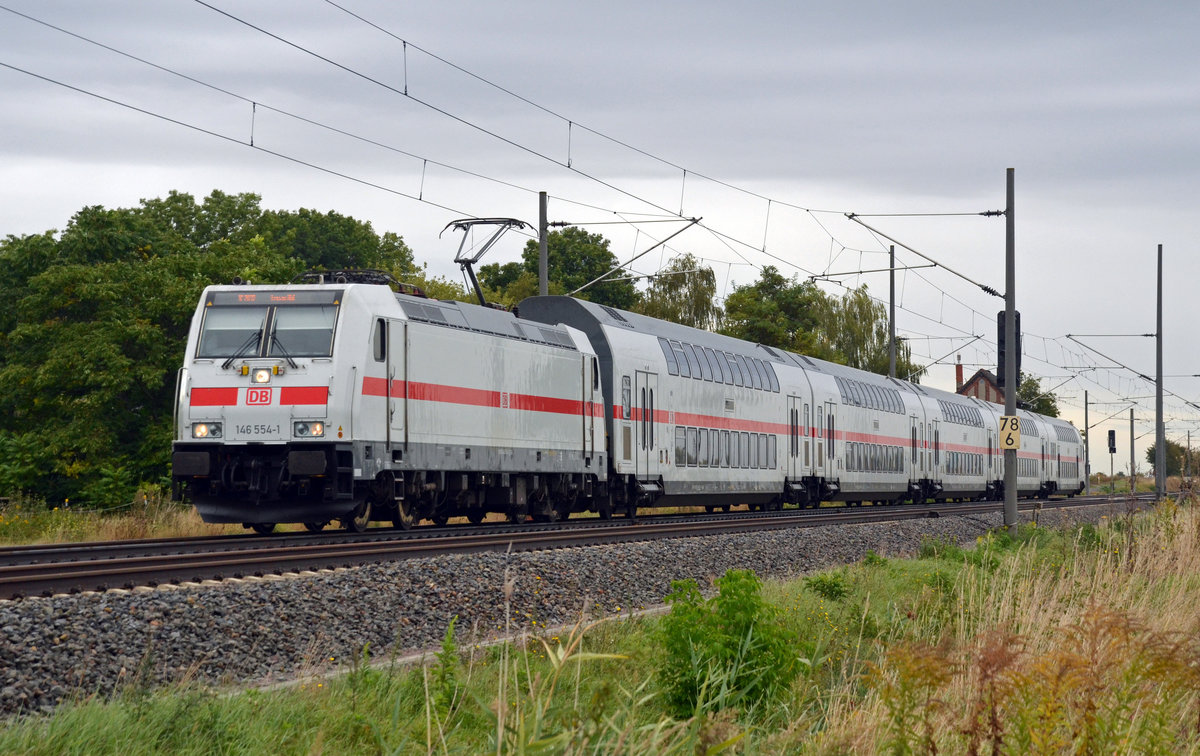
[{"x": 274, "y": 298}]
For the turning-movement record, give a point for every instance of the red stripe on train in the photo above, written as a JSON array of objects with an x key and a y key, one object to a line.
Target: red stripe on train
[
  {"x": 214, "y": 397},
  {"x": 433, "y": 392},
  {"x": 304, "y": 395}
]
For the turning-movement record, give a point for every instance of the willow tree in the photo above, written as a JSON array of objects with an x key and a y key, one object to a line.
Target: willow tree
[
  {"x": 853, "y": 329},
  {"x": 685, "y": 292}
]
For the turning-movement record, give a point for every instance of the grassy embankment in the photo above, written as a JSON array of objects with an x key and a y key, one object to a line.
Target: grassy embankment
[{"x": 1076, "y": 641}]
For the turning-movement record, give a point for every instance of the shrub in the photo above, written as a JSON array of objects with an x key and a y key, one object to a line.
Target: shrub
[
  {"x": 872, "y": 559},
  {"x": 730, "y": 650},
  {"x": 828, "y": 585}
]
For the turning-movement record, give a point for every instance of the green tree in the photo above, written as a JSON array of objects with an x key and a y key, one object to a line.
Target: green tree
[
  {"x": 1031, "y": 396},
  {"x": 96, "y": 320},
  {"x": 683, "y": 292},
  {"x": 777, "y": 312},
  {"x": 854, "y": 330},
  {"x": 1177, "y": 455},
  {"x": 573, "y": 257},
  {"x": 509, "y": 283},
  {"x": 327, "y": 240}
]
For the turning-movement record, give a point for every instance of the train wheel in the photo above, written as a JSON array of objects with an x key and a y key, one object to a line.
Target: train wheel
[
  {"x": 314, "y": 527},
  {"x": 358, "y": 520},
  {"x": 402, "y": 517},
  {"x": 440, "y": 520},
  {"x": 475, "y": 516},
  {"x": 263, "y": 528}
]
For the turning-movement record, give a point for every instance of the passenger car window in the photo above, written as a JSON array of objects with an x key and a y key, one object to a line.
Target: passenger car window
[
  {"x": 681, "y": 359},
  {"x": 669, "y": 354}
]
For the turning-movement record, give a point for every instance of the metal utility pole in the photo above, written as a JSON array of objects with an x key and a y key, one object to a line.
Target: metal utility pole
[
  {"x": 543, "y": 248},
  {"x": 1132, "y": 460},
  {"x": 1010, "y": 359},
  {"x": 1087, "y": 448},
  {"x": 892, "y": 312},
  {"x": 1160, "y": 431}
]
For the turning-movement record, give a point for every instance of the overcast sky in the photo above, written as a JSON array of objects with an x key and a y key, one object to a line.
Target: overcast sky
[{"x": 771, "y": 120}]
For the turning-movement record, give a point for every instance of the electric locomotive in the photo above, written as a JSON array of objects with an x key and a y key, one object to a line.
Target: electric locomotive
[{"x": 343, "y": 400}]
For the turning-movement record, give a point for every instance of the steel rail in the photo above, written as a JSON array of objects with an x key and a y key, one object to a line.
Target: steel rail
[{"x": 75, "y": 571}]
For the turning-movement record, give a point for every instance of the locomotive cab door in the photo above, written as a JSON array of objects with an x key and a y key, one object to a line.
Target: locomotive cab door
[
  {"x": 397, "y": 382},
  {"x": 591, "y": 379},
  {"x": 646, "y": 443}
]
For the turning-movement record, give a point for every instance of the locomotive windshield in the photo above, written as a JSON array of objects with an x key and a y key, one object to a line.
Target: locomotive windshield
[
  {"x": 304, "y": 331},
  {"x": 269, "y": 324},
  {"x": 228, "y": 330}
]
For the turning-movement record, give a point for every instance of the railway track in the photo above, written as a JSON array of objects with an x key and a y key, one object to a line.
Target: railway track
[{"x": 43, "y": 570}]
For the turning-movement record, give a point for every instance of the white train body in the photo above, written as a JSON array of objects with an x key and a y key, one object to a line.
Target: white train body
[
  {"x": 418, "y": 406},
  {"x": 319, "y": 402}
]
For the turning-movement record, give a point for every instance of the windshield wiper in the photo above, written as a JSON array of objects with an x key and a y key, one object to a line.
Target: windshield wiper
[
  {"x": 250, "y": 343},
  {"x": 276, "y": 342}
]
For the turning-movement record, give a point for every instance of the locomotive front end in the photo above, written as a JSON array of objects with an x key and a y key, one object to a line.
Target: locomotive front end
[{"x": 254, "y": 442}]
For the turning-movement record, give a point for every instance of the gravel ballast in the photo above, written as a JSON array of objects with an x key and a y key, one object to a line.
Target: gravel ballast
[{"x": 251, "y": 632}]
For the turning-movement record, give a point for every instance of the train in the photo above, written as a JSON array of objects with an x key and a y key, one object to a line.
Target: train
[{"x": 347, "y": 399}]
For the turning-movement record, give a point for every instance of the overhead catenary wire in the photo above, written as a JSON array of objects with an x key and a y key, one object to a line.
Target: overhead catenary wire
[
  {"x": 983, "y": 287},
  {"x": 425, "y": 103},
  {"x": 225, "y": 137},
  {"x": 728, "y": 240},
  {"x": 407, "y": 94},
  {"x": 605, "y": 275}
]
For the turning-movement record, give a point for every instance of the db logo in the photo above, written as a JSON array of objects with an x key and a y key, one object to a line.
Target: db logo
[{"x": 258, "y": 396}]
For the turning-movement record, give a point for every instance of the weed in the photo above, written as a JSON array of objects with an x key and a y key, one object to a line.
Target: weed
[
  {"x": 910, "y": 683},
  {"x": 871, "y": 559},
  {"x": 445, "y": 672},
  {"x": 993, "y": 665},
  {"x": 940, "y": 548},
  {"x": 830, "y": 585},
  {"x": 729, "y": 650}
]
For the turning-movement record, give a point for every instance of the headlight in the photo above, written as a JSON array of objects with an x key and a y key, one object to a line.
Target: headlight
[
  {"x": 261, "y": 375},
  {"x": 206, "y": 430},
  {"x": 306, "y": 429}
]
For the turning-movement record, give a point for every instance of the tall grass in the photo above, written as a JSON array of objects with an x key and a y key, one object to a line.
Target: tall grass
[
  {"x": 151, "y": 514},
  {"x": 1082, "y": 644}
]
